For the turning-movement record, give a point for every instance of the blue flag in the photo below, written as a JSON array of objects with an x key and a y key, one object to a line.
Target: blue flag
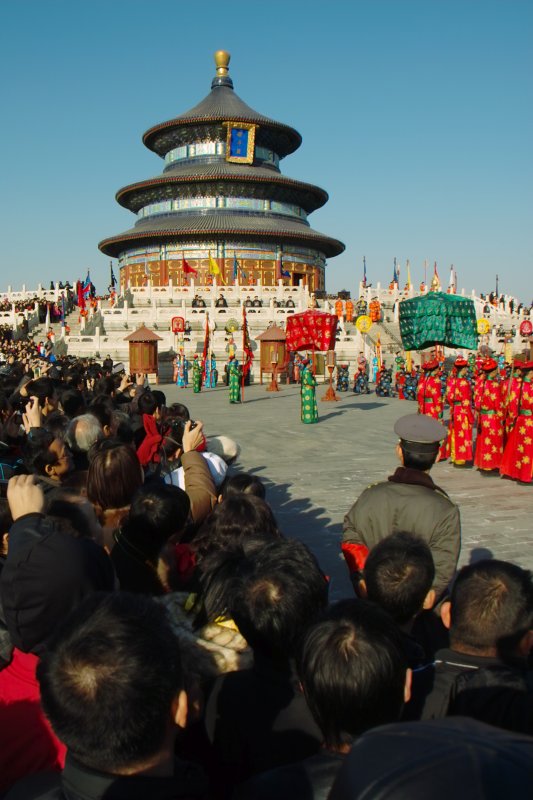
[
  {"x": 396, "y": 276},
  {"x": 86, "y": 287},
  {"x": 283, "y": 272},
  {"x": 235, "y": 267}
]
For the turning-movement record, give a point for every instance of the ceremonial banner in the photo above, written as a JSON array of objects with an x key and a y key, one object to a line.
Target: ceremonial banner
[
  {"x": 438, "y": 318},
  {"x": 311, "y": 330}
]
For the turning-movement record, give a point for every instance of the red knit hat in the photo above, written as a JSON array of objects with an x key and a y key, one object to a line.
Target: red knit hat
[{"x": 429, "y": 365}]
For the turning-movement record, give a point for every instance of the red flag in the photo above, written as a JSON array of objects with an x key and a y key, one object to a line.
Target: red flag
[
  {"x": 248, "y": 355},
  {"x": 81, "y": 296},
  {"x": 206, "y": 340},
  {"x": 188, "y": 270}
]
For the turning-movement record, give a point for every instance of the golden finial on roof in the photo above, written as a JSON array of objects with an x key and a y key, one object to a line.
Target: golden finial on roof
[{"x": 222, "y": 59}]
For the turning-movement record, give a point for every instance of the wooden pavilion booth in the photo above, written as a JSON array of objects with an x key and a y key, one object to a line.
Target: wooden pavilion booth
[
  {"x": 272, "y": 352},
  {"x": 143, "y": 351}
]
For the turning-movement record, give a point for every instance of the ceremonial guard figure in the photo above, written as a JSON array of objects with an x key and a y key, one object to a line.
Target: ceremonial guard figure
[
  {"x": 309, "y": 408},
  {"x": 517, "y": 461},
  {"x": 211, "y": 372},
  {"x": 360, "y": 384},
  {"x": 375, "y": 368},
  {"x": 196, "y": 374},
  {"x": 511, "y": 386},
  {"x": 411, "y": 385},
  {"x": 430, "y": 400},
  {"x": 488, "y": 402},
  {"x": 182, "y": 365},
  {"x": 429, "y": 393},
  {"x": 400, "y": 383},
  {"x": 234, "y": 380},
  {"x": 459, "y": 398},
  {"x": 343, "y": 378},
  {"x": 384, "y": 382}
]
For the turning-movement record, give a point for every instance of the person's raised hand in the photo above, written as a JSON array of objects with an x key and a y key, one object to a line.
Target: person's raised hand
[
  {"x": 32, "y": 417},
  {"x": 192, "y": 437},
  {"x": 24, "y": 496}
]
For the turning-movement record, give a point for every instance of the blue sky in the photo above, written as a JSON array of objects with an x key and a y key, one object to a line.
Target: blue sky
[{"x": 416, "y": 117}]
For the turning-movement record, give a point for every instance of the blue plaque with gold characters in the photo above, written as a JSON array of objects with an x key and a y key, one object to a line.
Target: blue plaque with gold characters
[{"x": 240, "y": 142}]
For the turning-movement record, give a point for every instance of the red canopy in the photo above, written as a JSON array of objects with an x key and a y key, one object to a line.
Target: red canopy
[{"x": 311, "y": 330}]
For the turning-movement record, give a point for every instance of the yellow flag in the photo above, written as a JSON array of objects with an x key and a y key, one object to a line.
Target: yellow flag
[
  {"x": 408, "y": 275},
  {"x": 214, "y": 269}
]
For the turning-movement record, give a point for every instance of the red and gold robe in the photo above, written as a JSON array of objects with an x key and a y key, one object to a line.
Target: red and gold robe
[
  {"x": 431, "y": 403},
  {"x": 517, "y": 461},
  {"x": 461, "y": 431},
  {"x": 489, "y": 442}
]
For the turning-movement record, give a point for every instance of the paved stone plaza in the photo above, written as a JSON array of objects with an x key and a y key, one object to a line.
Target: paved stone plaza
[{"x": 314, "y": 473}]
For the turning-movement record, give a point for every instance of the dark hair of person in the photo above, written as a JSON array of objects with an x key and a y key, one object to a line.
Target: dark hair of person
[
  {"x": 105, "y": 386},
  {"x": 114, "y": 476},
  {"x": 352, "y": 670},
  {"x": 72, "y": 402},
  {"x": 36, "y": 453},
  {"x": 108, "y": 680},
  {"x": 158, "y": 511},
  {"x": 491, "y": 607},
  {"x": 279, "y": 592},
  {"x": 160, "y": 397},
  {"x": 399, "y": 572},
  {"x": 146, "y": 402},
  {"x": 236, "y": 519},
  {"x": 74, "y": 378},
  {"x": 423, "y": 461},
  {"x": 63, "y": 505},
  {"x": 43, "y": 388},
  {"x": 102, "y": 408},
  {"x": 178, "y": 411},
  {"x": 56, "y": 422},
  {"x": 123, "y": 430},
  {"x": 242, "y": 483}
]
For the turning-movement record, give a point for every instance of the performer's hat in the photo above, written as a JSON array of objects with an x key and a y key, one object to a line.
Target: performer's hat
[
  {"x": 489, "y": 364},
  {"x": 460, "y": 362},
  {"x": 429, "y": 365},
  {"x": 523, "y": 364},
  {"x": 420, "y": 432}
]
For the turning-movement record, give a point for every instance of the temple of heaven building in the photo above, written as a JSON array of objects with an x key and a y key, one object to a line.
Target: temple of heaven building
[{"x": 221, "y": 205}]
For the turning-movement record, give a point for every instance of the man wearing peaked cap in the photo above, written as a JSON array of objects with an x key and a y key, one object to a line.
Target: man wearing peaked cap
[{"x": 409, "y": 502}]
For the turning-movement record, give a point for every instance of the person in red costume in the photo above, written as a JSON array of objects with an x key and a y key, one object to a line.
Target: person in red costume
[
  {"x": 459, "y": 398},
  {"x": 517, "y": 461},
  {"x": 511, "y": 387},
  {"x": 489, "y": 406},
  {"x": 429, "y": 397}
]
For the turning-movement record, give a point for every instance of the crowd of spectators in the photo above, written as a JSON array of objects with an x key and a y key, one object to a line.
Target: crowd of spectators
[{"x": 162, "y": 637}]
